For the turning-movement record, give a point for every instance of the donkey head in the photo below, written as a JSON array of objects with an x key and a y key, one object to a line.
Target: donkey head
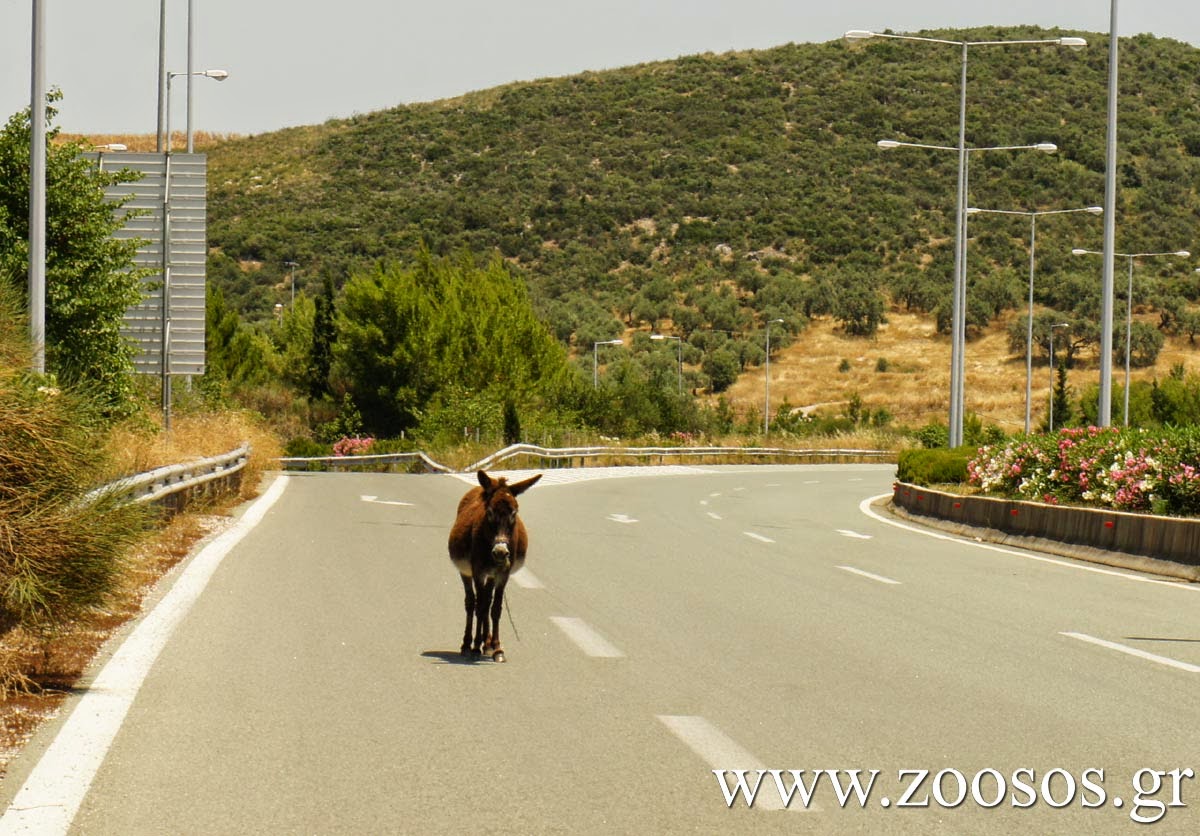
[{"x": 500, "y": 503}]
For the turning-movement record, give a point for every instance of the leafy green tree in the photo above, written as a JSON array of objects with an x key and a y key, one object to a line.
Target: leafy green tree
[
  {"x": 90, "y": 279},
  {"x": 407, "y": 334},
  {"x": 324, "y": 334},
  {"x": 722, "y": 368}
]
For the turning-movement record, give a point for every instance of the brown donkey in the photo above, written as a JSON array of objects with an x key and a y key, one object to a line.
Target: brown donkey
[{"x": 487, "y": 544}]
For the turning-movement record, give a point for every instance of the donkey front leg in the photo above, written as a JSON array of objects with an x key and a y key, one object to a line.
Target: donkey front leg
[
  {"x": 483, "y": 602},
  {"x": 493, "y": 644},
  {"x": 469, "y": 603}
]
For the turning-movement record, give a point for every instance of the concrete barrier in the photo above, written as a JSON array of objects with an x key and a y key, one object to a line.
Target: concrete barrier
[{"x": 1163, "y": 545}]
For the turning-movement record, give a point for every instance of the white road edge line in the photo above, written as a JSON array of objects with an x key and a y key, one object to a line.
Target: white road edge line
[
  {"x": 865, "y": 507},
  {"x": 50, "y": 797},
  {"x": 526, "y": 579},
  {"x": 758, "y": 537},
  {"x": 587, "y": 639},
  {"x": 1133, "y": 651},
  {"x": 719, "y": 751},
  {"x": 870, "y": 575},
  {"x": 715, "y": 516}
]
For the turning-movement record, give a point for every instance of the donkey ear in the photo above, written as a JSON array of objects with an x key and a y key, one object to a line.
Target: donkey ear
[
  {"x": 521, "y": 487},
  {"x": 485, "y": 481}
]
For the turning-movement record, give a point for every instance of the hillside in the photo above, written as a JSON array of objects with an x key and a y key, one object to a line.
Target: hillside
[{"x": 715, "y": 192}]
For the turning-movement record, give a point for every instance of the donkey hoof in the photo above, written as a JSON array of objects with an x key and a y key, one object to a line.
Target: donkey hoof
[{"x": 498, "y": 656}]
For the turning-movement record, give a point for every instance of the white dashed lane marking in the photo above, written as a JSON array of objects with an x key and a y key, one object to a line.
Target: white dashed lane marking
[
  {"x": 758, "y": 537},
  {"x": 871, "y": 575},
  {"x": 585, "y": 638}
]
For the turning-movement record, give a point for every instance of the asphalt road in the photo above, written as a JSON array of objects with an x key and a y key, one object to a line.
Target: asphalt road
[{"x": 672, "y": 623}]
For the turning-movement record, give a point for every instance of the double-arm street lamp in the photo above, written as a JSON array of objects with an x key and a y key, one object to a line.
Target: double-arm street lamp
[
  {"x": 680, "y": 341},
  {"x": 1129, "y": 305},
  {"x": 216, "y": 75},
  {"x": 958, "y": 328},
  {"x": 1033, "y": 216},
  {"x": 595, "y": 362},
  {"x": 767, "y": 382},
  {"x": 958, "y": 331}
]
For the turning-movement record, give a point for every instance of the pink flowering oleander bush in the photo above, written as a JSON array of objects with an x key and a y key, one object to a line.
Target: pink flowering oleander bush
[
  {"x": 1124, "y": 469},
  {"x": 354, "y": 446}
]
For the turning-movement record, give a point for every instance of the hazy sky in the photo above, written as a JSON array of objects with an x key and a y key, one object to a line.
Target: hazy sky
[{"x": 303, "y": 62}]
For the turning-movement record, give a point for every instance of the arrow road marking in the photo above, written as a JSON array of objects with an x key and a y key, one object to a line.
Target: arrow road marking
[
  {"x": 379, "y": 501},
  {"x": 621, "y": 518},
  {"x": 847, "y": 533}
]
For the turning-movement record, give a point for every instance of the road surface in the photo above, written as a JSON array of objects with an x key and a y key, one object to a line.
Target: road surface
[{"x": 674, "y": 626}]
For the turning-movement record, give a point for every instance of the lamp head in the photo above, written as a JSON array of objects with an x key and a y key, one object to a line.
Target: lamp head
[
  {"x": 1095, "y": 210},
  {"x": 858, "y": 35},
  {"x": 1073, "y": 43},
  {"x": 219, "y": 75},
  {"x": 1046, "y": 147},
  {"x": 888, "y": 144}
]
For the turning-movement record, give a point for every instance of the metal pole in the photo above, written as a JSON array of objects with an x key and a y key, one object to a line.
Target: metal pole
[
  {"x": 190, "y": 76},
  {"x": 1128, "y": 335},
  {"x": 167, "y": 119},
  {"x": 1050, "y": 419},
  {"x": 680, "y": 346},
  {"x": 767, "y": 388},
  {"x": 595, "y": 366},
  {"x": 1104, "y": 408},
  {"x": 1029, "y": 335},
  {"x": 165, "y": 295},
  {"x": 162, "y": 73},
  {"x": 957, "y": 330},
  {"x": 37, "y": 191}
]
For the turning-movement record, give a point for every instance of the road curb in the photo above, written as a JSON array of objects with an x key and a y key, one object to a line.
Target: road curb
[{"x": 1032, "y": 523}]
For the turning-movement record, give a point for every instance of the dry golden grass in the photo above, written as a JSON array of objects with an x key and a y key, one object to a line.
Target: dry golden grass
[
  {"x": 51, "y": 663},
  {"x": 916, "y": 387},
  {"x": 136, "y": 447},
  {"x": 146, "y": 143}
]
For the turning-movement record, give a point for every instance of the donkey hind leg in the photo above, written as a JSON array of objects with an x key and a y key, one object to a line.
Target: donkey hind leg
[
  {"x": 469, "y": 604},
  {"x": 483, "y": 602},
  {"x": 493, "y": 645}
]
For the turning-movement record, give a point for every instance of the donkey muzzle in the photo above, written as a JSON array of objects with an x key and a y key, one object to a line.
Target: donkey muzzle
[{"x": 501, "y": 553}]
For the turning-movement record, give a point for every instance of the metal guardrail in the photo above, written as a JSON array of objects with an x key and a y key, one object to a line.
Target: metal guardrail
[
  {"x": 350, "y": 462},
  {"x": 581, "y": 453},
  {"x": 160, "y": 483}
]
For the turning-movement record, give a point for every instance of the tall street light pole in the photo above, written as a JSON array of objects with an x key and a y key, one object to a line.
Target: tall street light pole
[
  {"x": 958, "y": 327},
  {"x": 37, "y": 191},
  {"x": 1104, "y": 407},
  {"x": 1050, "y": 414},
  {"x": 1033, "y": 216},
  {"x": 767, "y": 383},
  {"x": 959, "y": 301},
  {"x": 595, "y": 359},
  {"x": 680, "y": 341},
  {"x": 1128, "y": 308}
]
